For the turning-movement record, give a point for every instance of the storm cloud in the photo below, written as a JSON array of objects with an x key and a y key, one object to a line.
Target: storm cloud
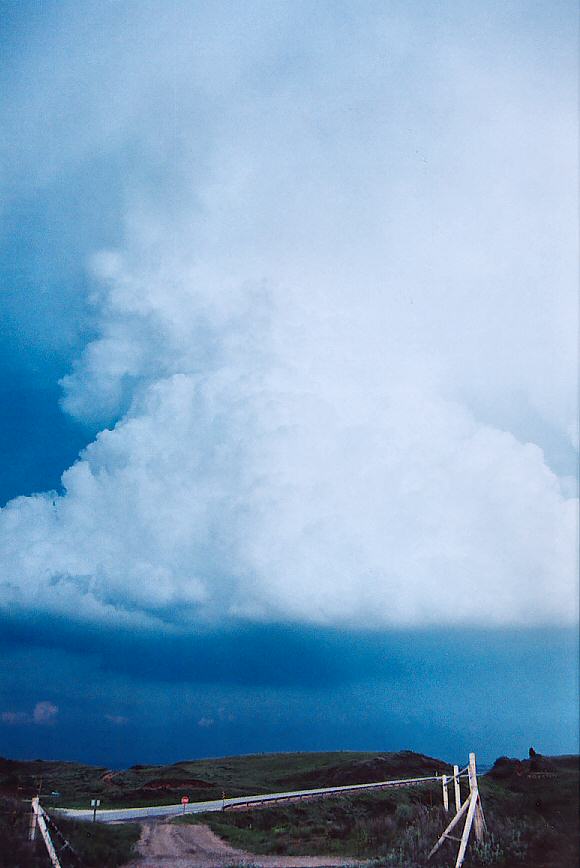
[{"x": 332, "y": 350}]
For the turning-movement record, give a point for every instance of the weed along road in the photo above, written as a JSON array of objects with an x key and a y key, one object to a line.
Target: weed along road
[{"x": 111, "y": 815}]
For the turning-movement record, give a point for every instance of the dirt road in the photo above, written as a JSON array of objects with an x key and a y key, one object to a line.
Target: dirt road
[{"x": 180, "y": 846}]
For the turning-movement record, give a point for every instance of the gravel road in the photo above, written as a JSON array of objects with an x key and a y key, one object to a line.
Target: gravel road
[{"x": 167, "y": 844}]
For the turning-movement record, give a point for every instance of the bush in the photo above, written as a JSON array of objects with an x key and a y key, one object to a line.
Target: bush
[{"x": 99, "y": 844}]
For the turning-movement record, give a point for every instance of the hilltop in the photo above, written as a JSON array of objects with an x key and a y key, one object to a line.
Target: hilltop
[
  {"x": 76, "y": 784},
  {"x": 531, "y": 807}
]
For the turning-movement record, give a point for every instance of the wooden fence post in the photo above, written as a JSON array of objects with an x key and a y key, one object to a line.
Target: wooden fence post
[
  {"x": 445, "y": 793},
  {"x": 472, "y": 805},
  {"x": 479, "y": 819},
  {"x": 456, "y": 787},
  {"x": 32, "y": 828},
  {"x": 466, "y": 830},
  {"x": 41, "y": 823},
  {"x": 450, "y": 827}
]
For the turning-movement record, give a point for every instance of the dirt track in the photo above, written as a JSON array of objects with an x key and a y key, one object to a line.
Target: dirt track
[{"x": 165, "y": 844}]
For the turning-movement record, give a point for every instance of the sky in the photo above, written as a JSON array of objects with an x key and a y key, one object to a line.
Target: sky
[{"x": 289, "y": 378}]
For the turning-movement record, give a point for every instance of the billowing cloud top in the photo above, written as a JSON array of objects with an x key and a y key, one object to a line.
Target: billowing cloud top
[{"x": 334, "y": 346}]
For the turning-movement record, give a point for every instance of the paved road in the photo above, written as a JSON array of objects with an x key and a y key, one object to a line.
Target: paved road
[{"x": 116, "y": 814}]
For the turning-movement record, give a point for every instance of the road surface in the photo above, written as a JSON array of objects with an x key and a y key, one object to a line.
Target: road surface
[
  {"x": 163, "y": 843},
  {"x": 111, "y": 815}
]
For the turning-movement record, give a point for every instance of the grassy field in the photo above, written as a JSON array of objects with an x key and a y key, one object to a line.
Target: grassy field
[
  {"x": 360, "y": 826},
  {"x": 15, "y": 851},
  {"x": 531, "y": 808},
  {"x": 77, "y": 784},
  {"x": 97, "y": 846},
  {"x": 531, "y": 811}
]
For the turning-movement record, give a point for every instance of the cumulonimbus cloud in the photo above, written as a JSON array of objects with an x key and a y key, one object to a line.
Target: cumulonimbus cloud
[
  {"x": 302, "y": 478},
  {"x": 293, "y": 365}
]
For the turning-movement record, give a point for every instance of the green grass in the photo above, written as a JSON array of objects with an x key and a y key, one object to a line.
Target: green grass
[
  {"x": 105, "y": 846},
  {"x": 15, "y": 849},
  {"x": 532, "y": 822},
  {"x": 364, "y": 825},
  {"x": 100, "y": 845},
  {"x": 203, "y": 780},
  {"x": 531, "y": 809}
]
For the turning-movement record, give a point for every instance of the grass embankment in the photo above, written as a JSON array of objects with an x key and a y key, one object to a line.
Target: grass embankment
[
  {"x": 95, "y": 844},
  {"x": 532, "y": 816},
  {"x": 361, "y": 826},
  {"x": 202, "y": 780},
  {"x": 15, "y": 849},
  {"x": 98, "y": 845}
]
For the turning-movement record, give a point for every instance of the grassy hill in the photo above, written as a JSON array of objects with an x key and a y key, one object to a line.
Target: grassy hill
[
  {"x": 77, "y": 784},
  {"x": 531, "y": 807}
]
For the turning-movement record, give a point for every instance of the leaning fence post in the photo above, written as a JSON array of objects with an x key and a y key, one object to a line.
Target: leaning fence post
[
  {"x": 41, "y": 822},
  {"x": 472, "y": 800},
  {"x": 473, "y": 786},
  {"x": 445, "y": 793}
]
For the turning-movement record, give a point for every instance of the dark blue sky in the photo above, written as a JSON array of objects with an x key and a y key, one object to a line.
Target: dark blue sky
[
  {"x": 308, "y": 274},
  {"x": 126, "y": 699}
]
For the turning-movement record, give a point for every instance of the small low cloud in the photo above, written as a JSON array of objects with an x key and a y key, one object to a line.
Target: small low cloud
[
  {"x": 205, "y": 722},
  {"x": 44, "y": 713},
  {"x": 117, "y": 719}
]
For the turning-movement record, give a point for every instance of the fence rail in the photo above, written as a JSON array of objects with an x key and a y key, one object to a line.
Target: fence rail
[{"x": 38, "y": 821}]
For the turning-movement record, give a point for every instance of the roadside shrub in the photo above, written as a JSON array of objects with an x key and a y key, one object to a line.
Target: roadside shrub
[
  {"x": 403, "y": 814},
  {"x": 98, "y": 844}
]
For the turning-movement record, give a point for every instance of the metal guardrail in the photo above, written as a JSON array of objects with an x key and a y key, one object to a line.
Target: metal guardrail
[{"x": 320, "y": 792}]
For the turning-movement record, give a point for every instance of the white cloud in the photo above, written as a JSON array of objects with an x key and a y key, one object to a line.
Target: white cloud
[
  {"x": 299, "y": 345},
  {"x": 44, "y": 713}
]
